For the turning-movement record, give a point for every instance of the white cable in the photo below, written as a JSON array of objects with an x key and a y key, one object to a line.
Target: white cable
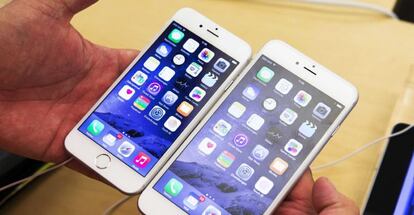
[
  {"x": 56, "y": 166},
  {"x": 350, "y": 3},
  {"x": 360, "y": 149},
  {"x": 117, "y": 204},
  {"x": 353, "y": 4}
]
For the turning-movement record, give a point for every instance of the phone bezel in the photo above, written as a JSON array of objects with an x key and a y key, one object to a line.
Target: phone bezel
[
  {"x": 119, "y": 174},
  {"x": 153, "y": 202}
]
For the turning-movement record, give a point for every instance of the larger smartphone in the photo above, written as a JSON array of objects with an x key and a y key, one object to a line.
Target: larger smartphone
[
  {"x": 257, "y": 141},
  {"x": 141, "y": 119}
]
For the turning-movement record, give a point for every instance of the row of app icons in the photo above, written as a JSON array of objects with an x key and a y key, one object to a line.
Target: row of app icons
[
  {"x": 193, "y": 69},
  {"x": 192, "y": 201},
  {"x": 302, "y": 98},
  {"x": 95, "y": 128},
  {"x": 259, "y": 152},
  {"x": 255, "y": 121},
  {"x": 166, "y": 74},
  {"x": 284, "y": 86}
]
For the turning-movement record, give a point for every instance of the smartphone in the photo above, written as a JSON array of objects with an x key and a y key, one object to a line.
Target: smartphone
[
  {"x": 252, "y": 147},
  {"x": 149, "y": 110}
]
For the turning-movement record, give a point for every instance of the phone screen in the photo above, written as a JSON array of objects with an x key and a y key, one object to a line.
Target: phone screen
[
  {"x": 157, "y": 99},
  {"x": 251, "y": 146}
]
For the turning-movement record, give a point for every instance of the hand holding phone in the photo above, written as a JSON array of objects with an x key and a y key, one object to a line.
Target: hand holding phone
[
  {"x": 257, "y": 141},
  {"x": 144, "y": 116}
]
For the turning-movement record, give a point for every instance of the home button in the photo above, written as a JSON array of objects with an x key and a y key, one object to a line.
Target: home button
[{"x": 102, "y": 161}]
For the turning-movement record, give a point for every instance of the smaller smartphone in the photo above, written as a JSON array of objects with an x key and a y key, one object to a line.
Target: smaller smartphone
[
  {"x": 162, "y": 95},
  {"x": 257, "y": 141}
]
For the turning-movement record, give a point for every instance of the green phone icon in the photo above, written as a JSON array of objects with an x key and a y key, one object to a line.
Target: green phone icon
[
  {"x": 96, "y": 127},
  {"x": 265, "y": 74},
  {"x": 173, "y": 187},
  {"x": 176, "y": 36}
]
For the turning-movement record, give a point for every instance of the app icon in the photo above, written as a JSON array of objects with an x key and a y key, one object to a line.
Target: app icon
[
  {"x": 273, "y": 134},
  {"x": 142, "y": 102},
  {"x": 283, "y": 86},
  {"x": 169, "y": 98},
  {"x": 222, "y": 127},
  {"x": 240, "y": 140},
  {"x": 157, "y": 113},
  {"x": 139, "y": 78},
  {"x": 109, "y": 139},
  {"x": 207, "y": 146},
  {"x": 279, "y": 166},
  {"x": 197, "y": 94},
  {"x": 221, "y": 65},
  {"x": 211, "y": 210},
  {"x": 126, "y": 92},
  {"x": 181, "y": 83},
  {"x": 191, "y": 201},
  {"x": 321, "y": 110},
  {"x": 302, "y": 98},
  {"x": 166, "y": 73},
  {"x": 179, "y": 59},
  {"x": 263, "y": 185},
  {"x": 225, "y": 159},
  {"x": 172, "y": 123},
  {"x": 173, "y": 187},
  {"x": 151, "y": 64},
  {"x": 269, "y": 104},
  {"x": 236, "y": 109},
  {"x": 142, "y": 160},
  {"x": 251, "y": 92},
  {"x": 194, "y": 69},
  {"x": 164, "y": 49},
  {"x": 255, "y": 122},
  {"x": 209, "y": 79},
  {"x": 176, "y": 36},
  {"x": 154, "y": 88},
  {"x": 259, "y": 152},
  {"x": 191, "y": 45},
  {"x": 206, "y": 55},
  {"x": 126, "y": 149},
  {"x": 244, "y": 172},
  {"x": 95, "y": 128},
  {"x": 307, "y": 129},
  {"x": 288, "y": 116},
  {"x": 185, "y": 108},
  {"x": 293, "y": 147},
  {"x": 265, "y": 74}
]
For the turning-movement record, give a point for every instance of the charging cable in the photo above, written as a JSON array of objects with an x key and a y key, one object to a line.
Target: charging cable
[
  {"x": 116, "y": 205},
  {"x": 360, "y": 149},
  {"x": 54, "y": 167},
  {"x": 347, "y": 3}
]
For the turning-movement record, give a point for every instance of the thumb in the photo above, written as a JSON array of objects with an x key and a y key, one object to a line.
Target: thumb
[
  {"x": 125, "y": 57},
  {"x": 328, "y": 201},
  {"x": 58, "y": 8}
]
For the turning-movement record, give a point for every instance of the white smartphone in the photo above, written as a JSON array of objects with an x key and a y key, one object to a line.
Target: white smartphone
[
  {"x": 158, "y": 100},
  {"x": 249, "y": 151}
]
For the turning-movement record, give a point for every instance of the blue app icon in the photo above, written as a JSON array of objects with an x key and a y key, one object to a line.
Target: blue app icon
[
  {"x": 164, "y": 49},
  {"x": 157, "y": 113}
]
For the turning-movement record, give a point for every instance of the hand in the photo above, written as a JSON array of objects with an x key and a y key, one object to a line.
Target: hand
[
  {"x": 320, "y": 197},
  {"x": 50, "y": 75}
]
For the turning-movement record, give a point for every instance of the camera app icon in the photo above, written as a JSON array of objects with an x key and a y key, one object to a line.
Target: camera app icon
[
  {"x": 321, "y": 110},
  {"x": 221, "y": 65}
]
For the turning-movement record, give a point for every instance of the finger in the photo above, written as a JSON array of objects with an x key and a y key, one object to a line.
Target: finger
[
  {"x": 327, "y": 200},
  {"x": 303, "y": 188},
  {"x": 74, "y": 6},
  {"x": 125, "y": 57},
  {"x": 57, "y": 8}
]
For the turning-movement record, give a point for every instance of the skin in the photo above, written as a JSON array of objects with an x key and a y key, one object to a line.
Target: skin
[{"x": 50, "y": 76}]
